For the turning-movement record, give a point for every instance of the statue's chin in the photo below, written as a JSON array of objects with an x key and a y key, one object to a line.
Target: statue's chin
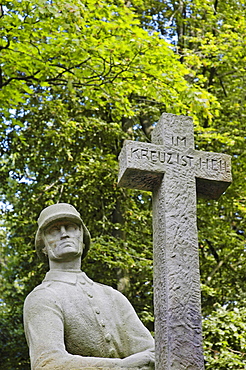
[{"x": 68, "y": 253}]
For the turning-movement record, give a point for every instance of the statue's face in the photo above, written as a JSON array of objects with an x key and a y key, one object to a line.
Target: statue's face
[{"x": 63, "y": 241}]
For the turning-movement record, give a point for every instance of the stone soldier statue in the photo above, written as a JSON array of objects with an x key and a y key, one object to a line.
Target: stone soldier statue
[{"x": 72, "y": 322}]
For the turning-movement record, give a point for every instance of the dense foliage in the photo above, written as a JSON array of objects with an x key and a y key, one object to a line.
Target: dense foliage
[{"x": 77, "y": 78}]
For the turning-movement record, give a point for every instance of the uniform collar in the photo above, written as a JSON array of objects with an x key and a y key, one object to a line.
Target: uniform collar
[{"x": 67, "y": 276}]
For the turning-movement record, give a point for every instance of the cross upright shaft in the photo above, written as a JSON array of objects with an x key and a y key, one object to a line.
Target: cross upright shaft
[{"x": 175, "y": 172}]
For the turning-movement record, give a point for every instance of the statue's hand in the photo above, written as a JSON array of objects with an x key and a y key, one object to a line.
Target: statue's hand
[{"x": 142, "y": 360}]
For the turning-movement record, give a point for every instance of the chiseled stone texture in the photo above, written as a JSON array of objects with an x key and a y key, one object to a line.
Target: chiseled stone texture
[
  {"x": 176, "y": 265},
  {"x": 176, "y": 173},
  {"x": 176, "y": 275},
  {"x": 142, "y": 165}
]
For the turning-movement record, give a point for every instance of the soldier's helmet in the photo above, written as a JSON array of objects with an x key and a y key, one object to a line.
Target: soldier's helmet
[{"x": 55, "y": 212}]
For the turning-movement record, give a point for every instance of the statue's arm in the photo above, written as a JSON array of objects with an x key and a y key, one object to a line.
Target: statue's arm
[
  {"x": 136, "y": 338},
  {"x": 44, "y": 329},
  {"x": 138, "y": 343}
]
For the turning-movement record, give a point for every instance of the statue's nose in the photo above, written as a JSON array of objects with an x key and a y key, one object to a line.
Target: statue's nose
[{"x": 64, "y": 233}]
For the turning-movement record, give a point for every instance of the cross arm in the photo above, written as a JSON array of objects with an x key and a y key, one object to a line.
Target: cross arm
[
  {"x": 142, "y": 166},
  {"x": 212, "y": 172}
]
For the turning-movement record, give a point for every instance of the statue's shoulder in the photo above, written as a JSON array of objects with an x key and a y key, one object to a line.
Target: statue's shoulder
[
  {"x": 106, "y": 288},
  {"x": 43, "y": 290},
  {"x": 110, "y": 291}
]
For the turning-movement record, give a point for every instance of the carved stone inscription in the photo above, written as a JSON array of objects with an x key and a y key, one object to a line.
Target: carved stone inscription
[
  {"x": 175, "y": 172},
  {"x": 179, "y": 141},
  {"x": 176, "y": 158},
  {"x": 161, "y": 156},
  {"x": 144, "y": 162}
]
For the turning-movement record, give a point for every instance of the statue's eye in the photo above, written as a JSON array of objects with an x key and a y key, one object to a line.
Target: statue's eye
[
  {"x": 71, "y": 227},
  {"x": 54, "y": 230}
]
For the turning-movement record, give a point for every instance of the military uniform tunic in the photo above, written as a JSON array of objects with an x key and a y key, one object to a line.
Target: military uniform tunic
[{"x": 72, "y": 322}]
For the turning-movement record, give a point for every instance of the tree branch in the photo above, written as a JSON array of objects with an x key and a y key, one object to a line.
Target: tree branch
[
  {"x": 213, "y": 251},
  {"x": 220, "y": 264},
  {"x": 223, "y": 87},
  {"x": 6, "y": 46},
  {"x": 1, "y": 11}
]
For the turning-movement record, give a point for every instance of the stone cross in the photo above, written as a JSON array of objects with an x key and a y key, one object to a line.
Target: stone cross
[{"x": 175, "y": 172}]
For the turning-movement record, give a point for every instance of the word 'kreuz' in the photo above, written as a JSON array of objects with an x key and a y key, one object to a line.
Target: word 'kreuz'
[{"x": 161, "y": 156}]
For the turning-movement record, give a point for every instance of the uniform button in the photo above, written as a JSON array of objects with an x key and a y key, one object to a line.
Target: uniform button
[
  {"x": 108, "y": 337},
  {"x": 111, "y": 352},
  {"x": 97, "y": 311},
  {"x": 103, "y": 324},
  {"x": 90, "y": 295}
]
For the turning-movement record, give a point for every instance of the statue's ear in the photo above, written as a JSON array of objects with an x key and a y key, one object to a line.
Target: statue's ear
[{"x": 44, "y": 250}]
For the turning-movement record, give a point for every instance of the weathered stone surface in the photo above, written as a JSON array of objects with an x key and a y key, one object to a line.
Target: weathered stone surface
[
  {"x": 70, "y": 321},
  {"x": 142, "y": 165},
  {"x": 175, "y": 172}
]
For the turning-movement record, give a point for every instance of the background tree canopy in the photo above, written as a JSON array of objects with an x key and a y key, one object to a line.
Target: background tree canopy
[{"x": 77, "y": 78}]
